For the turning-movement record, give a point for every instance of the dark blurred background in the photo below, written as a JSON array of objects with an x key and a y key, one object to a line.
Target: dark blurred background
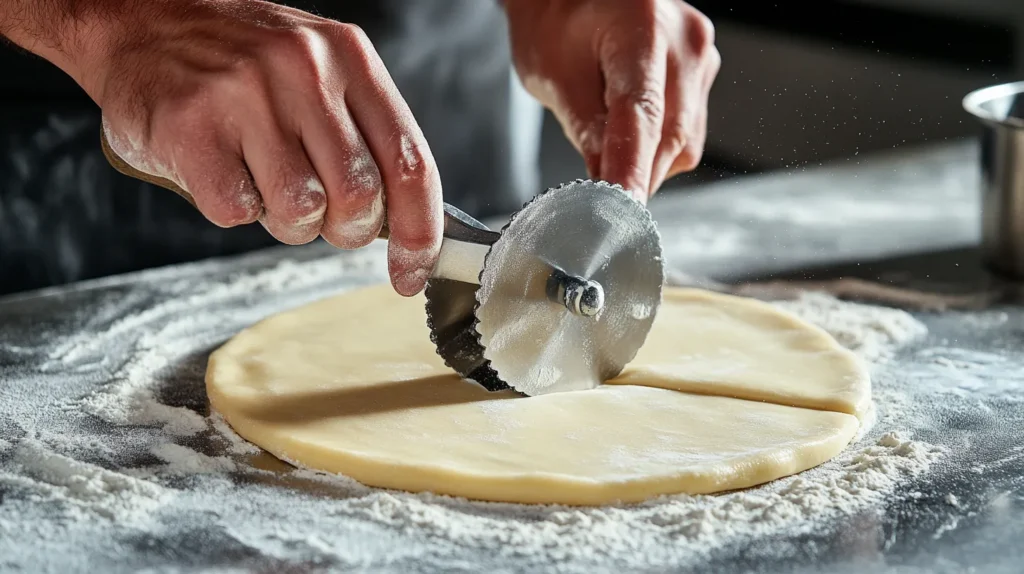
[{"x": 801, "y": 83}]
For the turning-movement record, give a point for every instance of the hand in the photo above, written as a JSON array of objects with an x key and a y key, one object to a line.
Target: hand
[
  {"x": 262, "y": 112},
  {"x": 628, "y": 81}
]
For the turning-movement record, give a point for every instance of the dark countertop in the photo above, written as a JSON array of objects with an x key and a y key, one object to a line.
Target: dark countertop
[{"x": 909, "y": 218}]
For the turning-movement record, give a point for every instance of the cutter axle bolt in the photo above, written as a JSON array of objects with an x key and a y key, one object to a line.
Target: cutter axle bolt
[
  {"x": 587, "y": 300},
  {"x": 580, "y": 296}
]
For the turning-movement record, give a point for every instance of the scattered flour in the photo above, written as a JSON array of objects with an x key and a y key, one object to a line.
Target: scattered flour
[
  {"x": 128, "y": 401},
  {"x": 66, "y": 452},
  {"x": 183, "y": 460},
  {"x": 874, "y": 333},
  {"x": 80, "y": 486},
  {"x": 967, "y": 372},
  {"x": 693, "y": 524}
]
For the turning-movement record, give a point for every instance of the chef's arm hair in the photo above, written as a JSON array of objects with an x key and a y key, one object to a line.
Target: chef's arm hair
[{"x": 72, "y": 34}]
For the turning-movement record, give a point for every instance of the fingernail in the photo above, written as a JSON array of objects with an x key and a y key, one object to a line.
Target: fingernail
[
  {"x": 412, "y": 282},
  {"x": 411, "y": 267}
]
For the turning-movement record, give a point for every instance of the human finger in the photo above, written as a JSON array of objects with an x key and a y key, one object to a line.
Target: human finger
[
  {"x": 696, "y": 122},
  {"x": 352, "y": 181},
  {"x": 576, "y": 99},
  {"x": 220, "y": 184},
  {"x": 294, "y": 200},
  {"x": 635, "y": 74},
  {"x": 412, "y": 185}
]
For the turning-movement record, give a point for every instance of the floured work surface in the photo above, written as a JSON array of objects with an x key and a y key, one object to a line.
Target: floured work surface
[
  {"x": 111, "y": 462},
  {"x": 728, "y": 393},
  {"x": 110, "y": 459}
]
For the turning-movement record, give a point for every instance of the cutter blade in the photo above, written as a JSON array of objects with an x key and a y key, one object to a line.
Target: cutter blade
[
  {"x": 595, "y": 234},
  {"x": 451, "y": 306}
]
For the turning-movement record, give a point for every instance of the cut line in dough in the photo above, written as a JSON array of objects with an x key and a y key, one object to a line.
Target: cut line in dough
[
  {"x": 352, "y": 385},
  {"x": 707, "y": 343}
]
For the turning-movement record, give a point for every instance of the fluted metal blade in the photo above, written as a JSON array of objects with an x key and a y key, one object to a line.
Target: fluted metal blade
[{"x": 586, "y": 229}]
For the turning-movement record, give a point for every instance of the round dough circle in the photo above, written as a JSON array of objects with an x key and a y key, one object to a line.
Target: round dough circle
[{"x": 352, "y": 385}]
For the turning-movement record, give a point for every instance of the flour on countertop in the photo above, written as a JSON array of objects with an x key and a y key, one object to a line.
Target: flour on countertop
[
  {"x": 664, "y": 530},
  {"x": 80, "y": 486},
  {"x": 967, "y": 372},
  {"x": 183, "y": 460},
  {"x": 874, "y": 333},
  {"x": 132, "y": 453}
]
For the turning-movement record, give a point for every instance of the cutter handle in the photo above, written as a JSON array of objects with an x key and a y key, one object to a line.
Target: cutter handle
[{"x": 122, "y": 166}]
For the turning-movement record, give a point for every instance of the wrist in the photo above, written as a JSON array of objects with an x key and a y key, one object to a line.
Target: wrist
[{"x": 77, "y": 36}]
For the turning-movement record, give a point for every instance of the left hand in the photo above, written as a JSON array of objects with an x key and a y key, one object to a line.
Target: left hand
[{"x": 628, "y": 81}]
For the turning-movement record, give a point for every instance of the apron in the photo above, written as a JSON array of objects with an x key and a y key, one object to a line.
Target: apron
[{"x": 65, "y": 215}]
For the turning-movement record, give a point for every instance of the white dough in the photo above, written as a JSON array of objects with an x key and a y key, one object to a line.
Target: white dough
[{"x": 352, "y": 385}]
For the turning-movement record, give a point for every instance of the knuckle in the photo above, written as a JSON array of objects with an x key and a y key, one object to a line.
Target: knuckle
[
  {"x": 706, "y": 26},
  {"x": 714, "y": 59},
  {"x": 363, "y": 181},
  {"x": 351, "y": 34},
  {"x": 414, "y": 164},
  {"x": 289, "y": 38},
  {"x": 228, "y": 202},
  {"x": 700, "y": 30},
  {"x": 350, "y": 37},
  {"x": 353, "y": 224},
  {"x": 246, "y": 205},
  {"x": 299, "y": 201},
  {"x": 648, "y": 101},
  {"x": 688, "y": 159},
  {"x": 589, "y": 136},
  {"x": 309, "y": 207},
  {"x": 358, "y": 56},
  {"x": 674, "y": 138},
  {"x": 300, "y": 52},
  {"x": 288, "y": 228}
]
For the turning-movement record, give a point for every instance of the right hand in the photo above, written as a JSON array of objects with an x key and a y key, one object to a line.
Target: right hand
[{"x": 266, "y": 113}]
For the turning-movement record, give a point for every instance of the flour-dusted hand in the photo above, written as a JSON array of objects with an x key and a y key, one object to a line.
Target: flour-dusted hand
[
  {"x": 258, "y": 111},
  {"x": 628, "y": 80}
]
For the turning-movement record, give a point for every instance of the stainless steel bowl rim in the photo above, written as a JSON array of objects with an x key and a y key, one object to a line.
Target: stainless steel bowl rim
[{"x": 974, "y": 101}]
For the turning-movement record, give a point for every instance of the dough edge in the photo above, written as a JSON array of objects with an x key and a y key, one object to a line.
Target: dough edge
[{"x": 537, "y": 487}]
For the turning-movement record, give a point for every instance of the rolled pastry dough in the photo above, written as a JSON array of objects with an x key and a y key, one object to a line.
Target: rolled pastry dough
[{"x": 726, "y": 394}]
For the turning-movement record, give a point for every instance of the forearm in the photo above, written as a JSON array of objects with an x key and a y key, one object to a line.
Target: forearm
[{"x": 71, "y": 34}]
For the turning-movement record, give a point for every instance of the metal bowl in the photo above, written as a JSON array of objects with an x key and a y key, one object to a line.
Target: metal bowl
[{"x": 1001, "y": 112}]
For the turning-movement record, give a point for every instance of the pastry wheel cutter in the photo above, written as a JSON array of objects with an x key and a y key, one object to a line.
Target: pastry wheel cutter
[{"x": 560, "y": 299}]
